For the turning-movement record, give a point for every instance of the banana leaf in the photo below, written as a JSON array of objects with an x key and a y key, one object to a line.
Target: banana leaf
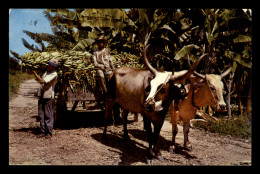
[
  {"x": 228, "y": 14},
  {"x": 186, "y": 49},
  {"x": 238, "y": 58},
  {"x": 242, "y": 38},
  {"x": 83, "y": 44},
  {"x": 113, "y": 18}
]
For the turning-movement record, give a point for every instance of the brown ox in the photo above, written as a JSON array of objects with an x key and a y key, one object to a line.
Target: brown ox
[
  {"x": 148, "y": 92},
  {"x": 204, "y": 90}
]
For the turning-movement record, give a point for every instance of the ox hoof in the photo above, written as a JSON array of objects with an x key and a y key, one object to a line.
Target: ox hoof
[
  {"x": 188, "y": 147},
  {"x": 149, "y": 161},
  {"x": 159, "y": 157},
  {"x": 172, "y": 149}
]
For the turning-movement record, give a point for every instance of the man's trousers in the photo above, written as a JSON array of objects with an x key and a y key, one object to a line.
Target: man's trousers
[{"x": 45, "y": 112}]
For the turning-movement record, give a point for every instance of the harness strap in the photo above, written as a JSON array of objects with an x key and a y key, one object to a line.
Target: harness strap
[
  {"x": 166, "y": 80},
  {"x": 192, "y": 100}
]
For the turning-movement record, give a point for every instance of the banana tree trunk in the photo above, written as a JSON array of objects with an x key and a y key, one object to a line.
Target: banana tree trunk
[
  {"x": 248, "y": 103},
  {"x": 231, "y": 75}
]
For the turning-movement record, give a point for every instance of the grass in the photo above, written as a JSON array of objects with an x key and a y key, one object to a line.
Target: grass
[
  {"x": 15, "y": 79},
  {"x": 237, "y": 126}
]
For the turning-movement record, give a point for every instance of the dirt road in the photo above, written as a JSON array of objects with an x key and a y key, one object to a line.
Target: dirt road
[{"x": 80, "y": 143}]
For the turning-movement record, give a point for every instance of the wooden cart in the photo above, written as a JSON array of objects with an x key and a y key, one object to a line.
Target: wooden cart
[{"x": 81, "y": 94}]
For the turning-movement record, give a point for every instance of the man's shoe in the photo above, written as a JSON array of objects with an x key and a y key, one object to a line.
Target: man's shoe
[
  {"x": 48, "y": 136},
  {"x": 40, "y": 135}
]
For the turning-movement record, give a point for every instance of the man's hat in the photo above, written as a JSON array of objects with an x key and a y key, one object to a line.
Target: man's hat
[
  {"x": 101, "y": 38},
  {"x": 53, "y": 63}
]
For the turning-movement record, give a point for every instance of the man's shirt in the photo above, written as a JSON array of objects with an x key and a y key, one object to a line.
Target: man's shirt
[
  {"x": 102, "y": 58},
  {"x": 47, "y": 89}
]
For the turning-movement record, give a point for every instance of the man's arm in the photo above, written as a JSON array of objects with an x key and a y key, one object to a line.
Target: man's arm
[
  {"x": 40, "y": 80},
  {"x": 111, "y": 63},
  {"x": 110, "y": 60},
  {"x": 96, "y": 64}
]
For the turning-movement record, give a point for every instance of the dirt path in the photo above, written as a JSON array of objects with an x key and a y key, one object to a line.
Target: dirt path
[{"x": 81, "y": 144}]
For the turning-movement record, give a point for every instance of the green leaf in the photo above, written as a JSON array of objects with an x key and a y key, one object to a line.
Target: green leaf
[
  {"x": 234, "y": 67},
  {"x": 214, "y": 27},
  {"x": 186, "y": 49},
  {"x": 228, "y": 14},
  {"x": 83, "y": 44},
  {"x": 238, "y": 58},
  {"x": 242, "y": 38},
  {"x": 113, "y": 18},
  {"x": 209, "y": 37}
]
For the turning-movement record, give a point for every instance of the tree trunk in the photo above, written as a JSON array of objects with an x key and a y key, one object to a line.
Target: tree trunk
[
  {"x": 248, "y": 103},
  {"x": 231, "y": 75}
]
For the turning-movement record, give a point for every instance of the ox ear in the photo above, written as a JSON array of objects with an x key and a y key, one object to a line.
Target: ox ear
[{"x": 224, "y": 74}]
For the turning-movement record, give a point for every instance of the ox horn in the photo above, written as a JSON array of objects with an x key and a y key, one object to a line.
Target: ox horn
[
  {"x": 224, "y": 74},
  {"x": 181, "y": 78},
  {"x": 147, "y": 64},
  {"x": 195, "y": 73}
]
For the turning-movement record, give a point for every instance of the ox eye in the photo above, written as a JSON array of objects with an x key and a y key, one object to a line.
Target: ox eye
[
  {"x": 212, "y": 87},
  {"x": 147, "y": 89},
  {"x": 163, "y": 87}
]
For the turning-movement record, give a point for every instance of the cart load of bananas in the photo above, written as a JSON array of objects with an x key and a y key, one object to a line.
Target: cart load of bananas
[{"x": 75, "y": 66}]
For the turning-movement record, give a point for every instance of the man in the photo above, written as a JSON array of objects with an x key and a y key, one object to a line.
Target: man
[
  {"x": 103, "y": 63},
  {"x": 46, "y": 96}
]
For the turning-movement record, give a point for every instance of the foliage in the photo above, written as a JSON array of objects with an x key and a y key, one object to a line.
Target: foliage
[
  {"x": 238, "y": 126},
  {"x": 13, "y": 64},
  {"x": 15, "y": 79}
]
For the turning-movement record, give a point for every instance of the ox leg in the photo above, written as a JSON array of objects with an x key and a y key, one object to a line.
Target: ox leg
[
  {"x": 116, "y": 113},
  {"x": 124, "y": 119},
  {"x": 156, "y": 149},
  {"x": 175, "y": 114},
  {"x": 148, "y": 128},
  {"x": 174, "y": 119},
  {"x": 186, "y": 128},
  {"x": 108, "y": 115}
]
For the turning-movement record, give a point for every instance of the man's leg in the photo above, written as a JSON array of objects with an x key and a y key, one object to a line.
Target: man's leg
[
  {"x": 49, "y": 116},
  {"x": 41, "y": 115},
  {"x": 101, "y": 80}
]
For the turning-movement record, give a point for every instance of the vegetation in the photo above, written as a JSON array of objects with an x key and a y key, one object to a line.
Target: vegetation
[
  {"x": 15, "y": 79},
  {"x": 237, "y": 126}
]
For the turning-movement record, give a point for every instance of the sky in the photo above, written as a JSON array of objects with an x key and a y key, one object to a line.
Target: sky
[{"x": 32, "y": 20}]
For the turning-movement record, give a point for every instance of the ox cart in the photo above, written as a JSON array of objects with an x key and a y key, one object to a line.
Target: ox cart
[
  {"x": 73, "y": 98},
  {"x": 94, "y": 99}
]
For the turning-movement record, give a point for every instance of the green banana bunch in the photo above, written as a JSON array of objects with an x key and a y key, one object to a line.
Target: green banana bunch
[
  {"x": 73, "y": 66},
  {"x": 76, "y": 66},
  {"x": 127, "y": 59},
  {"x": 68, "y": 60}
]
